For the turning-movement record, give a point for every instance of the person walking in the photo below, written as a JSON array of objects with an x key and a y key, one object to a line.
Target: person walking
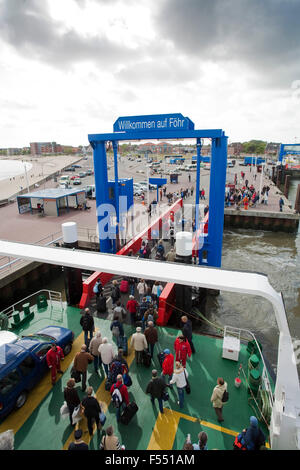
[
  {"x": 281, "y": 204},
  {"x": 217, "y": 396},
  {"x": 168, "y": 364},
  {"x": 92, "y": 410},
  {"x": 119, "y": 311},
  {"x": 202, "y": 441},
  {"x": 182, "y": 349},
  {"x": 151, "y": 336},
  {"x": 186, "y": 328},
  {"x": 120, "y": 398},
  {"x": 81, "y": 362},
  {"x": 71, "y": 398},
  {"x": 132, "y": 306},
  {"x": 116, "y": 327},
  {"x": 98, "y": 288},
  {"x": 189, "y": 178},
  {"x": 179, "y": 378},
  {"x": 156, "y": 388},
  {"x": 78, "y": 444},
  {"x": 53, "y": 358},
  {"x": 88, "y": 326},
  {"x": 94, "y": 350},
  {"x": 139, "y": 343},
  {"x": 131, "y": 282},
  {"x": 115, "y": 293},
  {"x": 141, "y": 288},
  {"x": 107, "y": 354},
  {"x": 110, "y": 441}
]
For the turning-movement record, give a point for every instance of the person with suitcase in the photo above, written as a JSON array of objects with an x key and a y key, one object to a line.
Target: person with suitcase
[
  {"x": 98, "y": 288},
  {"x": 88, "y": 327},
  {"x": 139, "y": 343},
  {"x": 119, "y": 396}
]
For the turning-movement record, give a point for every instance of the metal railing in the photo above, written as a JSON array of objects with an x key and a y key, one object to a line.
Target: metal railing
[
  {"x": 266, "y": 385},
  {"x": 9, "y": 264},
  {"x": 53, "y": 296}
]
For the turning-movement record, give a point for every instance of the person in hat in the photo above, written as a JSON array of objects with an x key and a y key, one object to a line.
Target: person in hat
[
  {"x": 79, "y": 444},
  {"x": 139, "y": 343},
  {"x": 168, "y": 365},
  {"x": 53, "y": 358}
]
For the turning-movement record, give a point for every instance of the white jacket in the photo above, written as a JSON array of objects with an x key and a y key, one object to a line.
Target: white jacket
[
  {"x": 141, "y": 288},
  {"x": 107, "y": 353},
  {"x": 138, "y": 341},
  {"x": 179, "y": 378}
]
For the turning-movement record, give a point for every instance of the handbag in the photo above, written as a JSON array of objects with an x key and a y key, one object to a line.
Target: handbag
[
  {"x": 187, "y": 387},
  {"x": 102, "y": 417},
  {"x": 75, "y": 374},
  {"x": 64, "y": 410},
  {"x": 76, "y": 416}
]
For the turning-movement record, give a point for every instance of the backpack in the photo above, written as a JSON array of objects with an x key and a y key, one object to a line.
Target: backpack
[
  {"x": 116, "y": 369},
  {"x": 225, "y": 397},
  {"x": 117, "y": 397},
  {"x": 115, "y": 331}
]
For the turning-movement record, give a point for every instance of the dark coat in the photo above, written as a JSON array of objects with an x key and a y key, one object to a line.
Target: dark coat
[
  {"x": 71, "y": 396},
  {"x": 156, "y": 387},
  {"x": 187, "y": 330},
  {"x": 87, "y": 322},
  {"x": 91, "y": 406},
  {"x": 151, "y": 335}
]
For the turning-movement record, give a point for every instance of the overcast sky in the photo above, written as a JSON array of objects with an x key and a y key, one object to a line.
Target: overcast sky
[{"x": 72, "y": 67}]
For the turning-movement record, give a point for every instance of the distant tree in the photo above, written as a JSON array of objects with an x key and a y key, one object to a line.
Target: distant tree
[{"x": 254, "y": 146}]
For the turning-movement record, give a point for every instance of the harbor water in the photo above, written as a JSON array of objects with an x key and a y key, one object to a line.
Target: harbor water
[{"x": 276, "y": 255}]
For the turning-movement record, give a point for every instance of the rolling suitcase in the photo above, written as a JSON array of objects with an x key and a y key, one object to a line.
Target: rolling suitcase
[
  {"x": 146, "y": 358},
  {"x": 123, "y": 343},
  {"x": 129, "y": 413}
]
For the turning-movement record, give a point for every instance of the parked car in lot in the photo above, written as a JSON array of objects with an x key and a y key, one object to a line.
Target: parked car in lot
[
  {"x": 73, "y": 177},
  {"x": 69, "y": 169},
  {"x": 144, "y": 185},
  {"x": 23, "y": 364},
  {"x": 82, "y": 174},
  {"x": 137, "y": 189},
  {"x": 76, "y": 166},
  {"x": 89, "y": 172},
  {"x": 77, "y": 181}
]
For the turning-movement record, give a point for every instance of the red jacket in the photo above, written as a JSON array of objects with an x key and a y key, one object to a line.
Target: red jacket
[
  {"x": 168, "y": 365},
  {"x": 123, "y": 390},
  {"x": 182, "y": 349},
  {"x": 53, "y": 357},
  {"x": 132, "y": 305}
]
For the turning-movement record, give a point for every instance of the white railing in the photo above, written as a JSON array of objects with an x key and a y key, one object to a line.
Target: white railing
[
  {"x": 265, "y": 377},
  {"x": 53, "y": 296}
]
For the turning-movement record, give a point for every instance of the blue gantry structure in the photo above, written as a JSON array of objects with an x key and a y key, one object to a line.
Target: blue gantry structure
[
  {"x": 288, "y": 149},
  {"x": 160, "y": 127}
]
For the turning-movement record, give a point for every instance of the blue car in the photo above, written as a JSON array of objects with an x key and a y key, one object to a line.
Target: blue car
[{"x": 23, "y": 364}]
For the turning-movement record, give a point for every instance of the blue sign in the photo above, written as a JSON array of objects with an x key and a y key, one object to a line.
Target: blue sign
[
  {"x": 168, "y": 122},
  {"x": 158, "y": 181}
]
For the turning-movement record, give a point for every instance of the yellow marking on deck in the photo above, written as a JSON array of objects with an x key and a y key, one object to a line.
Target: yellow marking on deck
[
  {"x": 104, "y": 398},
  {"x": 16, "y": 419},
  {"x": 165, "y": 429}
]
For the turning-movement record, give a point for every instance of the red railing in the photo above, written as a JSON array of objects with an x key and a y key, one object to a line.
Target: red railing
[
  {"x": 166, "y": 300},
  {"x": 134, "y": 245}
]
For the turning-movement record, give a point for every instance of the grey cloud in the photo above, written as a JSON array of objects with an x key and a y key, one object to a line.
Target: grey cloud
[
  {"x": 27, "y": 26},
  {"x": 161, "y": 71},
  {"x": 264, "y": 35}
]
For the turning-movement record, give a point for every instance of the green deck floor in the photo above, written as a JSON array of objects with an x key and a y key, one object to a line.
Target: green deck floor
[{"x": 44, "y": 428}]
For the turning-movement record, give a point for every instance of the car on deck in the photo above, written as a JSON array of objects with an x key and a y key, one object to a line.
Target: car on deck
[{"x": 23, "y": 364}]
